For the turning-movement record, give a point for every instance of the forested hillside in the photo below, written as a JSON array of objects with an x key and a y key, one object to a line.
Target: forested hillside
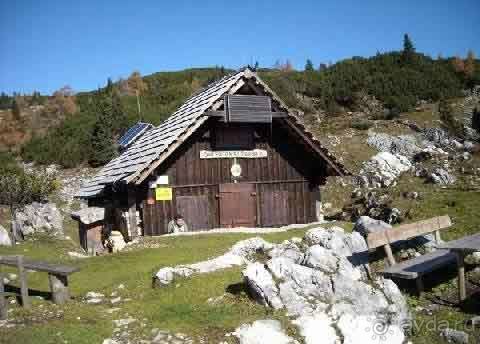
[{"x": 91, "y": 121}]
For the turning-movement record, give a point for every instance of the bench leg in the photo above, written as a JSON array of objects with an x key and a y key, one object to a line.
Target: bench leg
[
  {"x": 462, "y": 290},
  {"x": 59, "y": 288},
  {"x": 23, "y": 282},
  {"x": 3, "y": 301},
  {"x": 420, "y": 287}
]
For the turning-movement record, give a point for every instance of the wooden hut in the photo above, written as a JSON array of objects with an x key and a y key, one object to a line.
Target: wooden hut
[{"x": 232, "y": 155}]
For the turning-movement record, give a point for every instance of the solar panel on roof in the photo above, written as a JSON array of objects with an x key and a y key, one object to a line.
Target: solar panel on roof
[{"x": 133, "y": 134}]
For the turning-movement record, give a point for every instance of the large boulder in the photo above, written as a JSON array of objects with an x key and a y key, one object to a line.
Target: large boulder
[
  {"x": 327, "y": 295},
  {"x": 383, "y": 169},
  {"x": 39, "y": 218},
  {"x": 4, "y": 237}
]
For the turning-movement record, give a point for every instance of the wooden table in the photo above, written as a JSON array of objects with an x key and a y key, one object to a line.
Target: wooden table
[{"x": 461, "y": 248}]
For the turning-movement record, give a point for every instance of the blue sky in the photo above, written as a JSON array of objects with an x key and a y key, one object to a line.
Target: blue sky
[{"x": 48, "y": 44}]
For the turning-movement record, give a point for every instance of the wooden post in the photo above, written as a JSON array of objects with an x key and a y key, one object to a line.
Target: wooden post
[
  {"x": 420, "y": 287},
  {"x": 462, "y": 290},
  {"x": 59, "y": 288},
  {"x": 23, "y": 282},
  {"x": 132, "y": 212},
  {"x": 3, "y": 301},
  {"x": 390, "y": 257}
]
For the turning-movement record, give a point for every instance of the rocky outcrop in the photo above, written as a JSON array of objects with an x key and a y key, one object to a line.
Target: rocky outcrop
[
  {"x": 441, "y": 176},
  {"x": 4, "y": 237},
  {"x": 239, "y": 254},
  {"x": 405, "y": 145},
  {"x": 328, "y": 294},
  {"x": 383, "y": 169},
  {"x": 39, "y": 218}
]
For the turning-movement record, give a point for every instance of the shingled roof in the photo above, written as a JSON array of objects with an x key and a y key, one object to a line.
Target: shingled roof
[{"x": 152, "y": 148}]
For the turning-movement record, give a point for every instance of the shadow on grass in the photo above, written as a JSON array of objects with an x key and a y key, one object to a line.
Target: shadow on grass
[
  {"x": 238, "y": 289},
  {"x": 46, "y": 295}
]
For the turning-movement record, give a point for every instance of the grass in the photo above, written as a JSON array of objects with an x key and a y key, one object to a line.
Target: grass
[{"x": 180, "y": 307}]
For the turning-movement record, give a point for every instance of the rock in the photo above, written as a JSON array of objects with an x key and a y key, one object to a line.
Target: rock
[
  {"x": 474, "y": 322},
  {"x": 93, "y": 294},
  {"x": 317, "y": 328},
  {"x": 261, "y": 285},
  {"x": 318, "y": 257},
  {"x": 366, "y": 225},
  {"x": 473, "y": 259},
  {"x": 382, "y": 169},
  {"x": 4, "y": 237},
  {"x": 288, "y": 249},
  {"x": 110, "y": 341},
  {"x": 117, "y": 241},
  {"x": 369, "y": 330},
  {"x": 261, "y": 332},
  {"x": 394, "y": 215},
  {"x": 94, "y": 298},
  {"x": 116, "y": 300},
  {"x": 124, "y": 322},
  {"x": 437, "y": 136},
  {"x": 469, "y": 146},
  {"x": 405, "y": 145},
  {"x": 328, "y": 295},
  {"x": 39, "y": 217},
  {"x": 457, "y": 145},
  {"x": 77, "y": 255},
  {"x": 454, "y": 336},
  {"x": 89, "y": 215},
  {"x": 238, "y": 255},
  {"x": 441, "y": 176}
]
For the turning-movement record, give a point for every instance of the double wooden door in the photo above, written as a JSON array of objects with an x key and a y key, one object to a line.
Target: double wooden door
[{"x": 237, "y": 205}]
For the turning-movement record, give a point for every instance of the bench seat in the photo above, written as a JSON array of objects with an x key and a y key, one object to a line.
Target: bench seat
[
  {"x": 57, "y": 276},
  {"x": 54, "y": 269},
  {"x": 418, "y": 266}
]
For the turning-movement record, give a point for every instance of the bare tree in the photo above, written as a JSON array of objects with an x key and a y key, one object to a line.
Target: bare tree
[{"x": 137, "y": 86}]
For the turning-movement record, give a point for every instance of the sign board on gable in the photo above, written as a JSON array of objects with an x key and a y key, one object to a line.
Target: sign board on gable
[
  {"x": 163, "y": 194},
  {"x": 246, "y": 154}
]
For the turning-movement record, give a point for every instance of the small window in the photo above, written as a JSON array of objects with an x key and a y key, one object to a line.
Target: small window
[{"x": 234, "y": 137}]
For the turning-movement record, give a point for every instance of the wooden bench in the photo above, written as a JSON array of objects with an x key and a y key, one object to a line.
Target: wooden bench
[
  {"x": 417, "y": 267},
  {"x": 57, "y": 275}
]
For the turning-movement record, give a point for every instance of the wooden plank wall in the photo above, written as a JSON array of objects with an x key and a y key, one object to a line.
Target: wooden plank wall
[{"x": 288, "y": 167}]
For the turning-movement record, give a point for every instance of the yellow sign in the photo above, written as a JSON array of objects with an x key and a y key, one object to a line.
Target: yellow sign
[{"x": 163, "y": 194}]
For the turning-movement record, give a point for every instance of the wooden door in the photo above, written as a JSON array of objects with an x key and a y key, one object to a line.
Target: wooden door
[
  {"x": 237, "y": 205},
  {"x": 274, "y": 208},
  {"x": 194, "y": 210}
]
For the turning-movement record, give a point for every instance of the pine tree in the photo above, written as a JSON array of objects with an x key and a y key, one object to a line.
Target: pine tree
[
  {"x": 103, "y": 145},
  {"x": 476, "y": 120},
  {"x": 120, "y": 120},
  {"x": 408, "y": 52},
  {"x": 309, "y": 66},
  {"x": 16, "y": 110}
]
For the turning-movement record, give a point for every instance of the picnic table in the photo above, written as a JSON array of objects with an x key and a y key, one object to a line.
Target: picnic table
[{"x": 461, "y": 248}]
